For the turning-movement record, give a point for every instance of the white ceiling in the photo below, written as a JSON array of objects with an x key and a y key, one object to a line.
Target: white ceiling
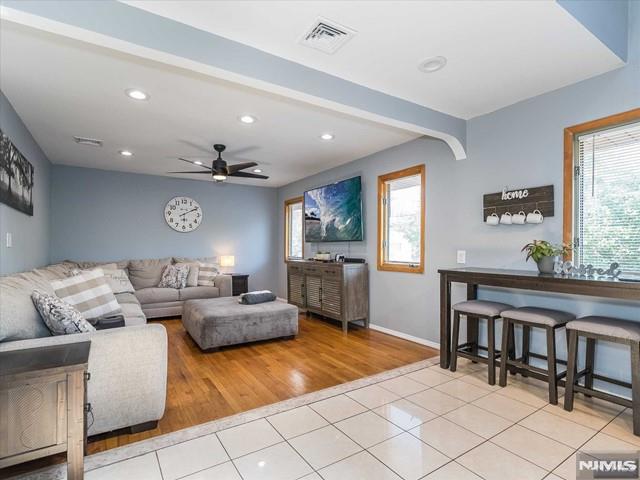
[
  {"x": 62, "y": 87},
  {"x": 499, "y": 52}
]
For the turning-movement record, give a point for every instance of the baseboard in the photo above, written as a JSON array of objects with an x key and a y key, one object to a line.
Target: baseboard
[{"x": 405, "y": 336}]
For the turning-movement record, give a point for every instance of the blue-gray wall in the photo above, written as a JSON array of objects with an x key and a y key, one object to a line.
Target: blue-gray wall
[
  {"x": 404, "y": 302},
  {"x": 30, "y": 234},
  {"x": 103, "y": 215}
]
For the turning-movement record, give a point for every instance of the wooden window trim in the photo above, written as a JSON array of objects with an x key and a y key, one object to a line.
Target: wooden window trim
[
  {"x": 291, "y": 201},
  {"x": 570, "y": 134},
  {"x": 382, "y": 179}
]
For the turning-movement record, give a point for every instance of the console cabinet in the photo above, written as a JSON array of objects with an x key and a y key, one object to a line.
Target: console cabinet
[{"x": 335, "y": 290}]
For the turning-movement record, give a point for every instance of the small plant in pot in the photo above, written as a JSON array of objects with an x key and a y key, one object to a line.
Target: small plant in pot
[{"x": 545, "y": 253}]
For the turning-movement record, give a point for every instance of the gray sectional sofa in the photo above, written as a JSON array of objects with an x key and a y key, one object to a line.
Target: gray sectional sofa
[{"x": 128, "y": 366}]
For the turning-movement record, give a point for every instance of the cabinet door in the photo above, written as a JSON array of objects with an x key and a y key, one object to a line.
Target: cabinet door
[
  {"x": 332, "y": 296},
  {"x": 313, "y": 286},
  {"x": 296, "y": 288}
]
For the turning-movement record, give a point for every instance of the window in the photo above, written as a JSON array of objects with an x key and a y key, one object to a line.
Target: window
[
  {"x": 602, "y": 197},
  {"x": 401, "y": 220},
  {"x": 293, "y": 222}
]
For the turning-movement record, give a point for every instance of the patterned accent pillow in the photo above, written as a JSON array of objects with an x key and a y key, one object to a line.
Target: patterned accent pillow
[
  {"x": 194, "y": 269},
  {"x": 207, "y": 274},
  {"x": 89, "y": 292},
  {"x": 60, "y": 317},
  {"x": 174, "y": 276}
]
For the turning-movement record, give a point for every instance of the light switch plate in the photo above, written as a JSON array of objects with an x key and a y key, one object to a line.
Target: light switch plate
[
  {"x": 462, "y": 256},
  {"x": 9, "y": 240}
]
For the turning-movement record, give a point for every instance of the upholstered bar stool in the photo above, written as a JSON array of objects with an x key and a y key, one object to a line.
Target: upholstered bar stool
[
  {"x": 534, "y": 317},
  {"x": 474, "y": 310},
  {"x": 615, "y": 330}
]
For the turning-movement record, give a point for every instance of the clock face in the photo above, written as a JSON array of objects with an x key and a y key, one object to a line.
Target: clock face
[{"x": 183, "y": 214}]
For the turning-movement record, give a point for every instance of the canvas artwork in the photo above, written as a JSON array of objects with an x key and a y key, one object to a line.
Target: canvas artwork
[
  {"x": 16, "y": 177},
  {"x": 333, "y": 213}
]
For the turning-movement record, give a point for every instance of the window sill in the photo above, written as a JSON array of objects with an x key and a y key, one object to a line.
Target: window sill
[{"x": 400, "y": 267}]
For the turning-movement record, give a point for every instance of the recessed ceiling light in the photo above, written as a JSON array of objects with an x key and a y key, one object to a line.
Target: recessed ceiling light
[
  {"x": 257, "y": 170},
  {"x": 248, "y": 119},
  {"x": 126, "y": 153},
  {"x": 432, "y": 64},
  {"x": 137, "y": 94},
  {"x": 327, "y": 136},
  {"x": 198, "y": 162}
]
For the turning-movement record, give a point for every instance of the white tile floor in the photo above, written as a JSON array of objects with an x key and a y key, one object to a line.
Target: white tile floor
[{"x": 428, "y": 424}]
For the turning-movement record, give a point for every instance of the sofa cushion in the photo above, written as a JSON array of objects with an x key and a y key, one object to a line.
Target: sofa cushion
[
  {"x": 121, "y": 264},
  {"x": 157, "y": 295},
  {"x": 192, "y": 293},
  {"x": 60, "y": 317},
  {"x": 123, "y": 298},
  {"x": 147, "y": 273},
  {"x": 133, "y": 315},
  {"x": 89, "y": 292}
]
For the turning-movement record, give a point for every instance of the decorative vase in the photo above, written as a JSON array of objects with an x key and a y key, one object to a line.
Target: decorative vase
[{"x": 546, "y": 264}]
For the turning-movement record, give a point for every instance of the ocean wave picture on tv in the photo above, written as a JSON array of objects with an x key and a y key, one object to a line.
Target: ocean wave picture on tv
[{"x": 333, "y": 213}]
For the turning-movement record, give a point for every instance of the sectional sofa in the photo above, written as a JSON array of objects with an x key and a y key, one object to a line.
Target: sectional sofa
[{"x": 128, "y": 366}]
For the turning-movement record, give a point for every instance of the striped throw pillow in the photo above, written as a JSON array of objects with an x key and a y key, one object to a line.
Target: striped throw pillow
[
  {"x": 207, "y": 274},
  {"x": 89, "y": 292}
]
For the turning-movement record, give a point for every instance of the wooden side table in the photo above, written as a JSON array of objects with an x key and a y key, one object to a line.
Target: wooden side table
[
  {"x": 239, "y": 283},
  {"x": 42, "y": 404}
]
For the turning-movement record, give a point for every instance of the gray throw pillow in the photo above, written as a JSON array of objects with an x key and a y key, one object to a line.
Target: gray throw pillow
[
  {"x": 174, "y": 276},
  {"x": 59, "y": 316}
]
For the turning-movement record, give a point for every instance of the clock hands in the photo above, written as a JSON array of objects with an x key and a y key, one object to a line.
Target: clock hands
[{"x": 185, "y": 213}]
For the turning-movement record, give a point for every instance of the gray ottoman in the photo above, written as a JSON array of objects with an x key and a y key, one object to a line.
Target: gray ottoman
[{"x": 216, "y": 322}]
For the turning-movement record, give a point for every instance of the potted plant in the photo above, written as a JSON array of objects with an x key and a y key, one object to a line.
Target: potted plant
[{"x": 545, "y": 253}]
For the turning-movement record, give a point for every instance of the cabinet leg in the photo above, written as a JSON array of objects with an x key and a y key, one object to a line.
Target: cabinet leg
[
  {"x": 75, "y": 425},
  {"x": 345, "y": 326}
]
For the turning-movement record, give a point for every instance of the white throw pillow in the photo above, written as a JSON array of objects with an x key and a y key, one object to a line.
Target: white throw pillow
[
  {"x": 89, "y": 292},
  {"x": 206, "y": 275}
]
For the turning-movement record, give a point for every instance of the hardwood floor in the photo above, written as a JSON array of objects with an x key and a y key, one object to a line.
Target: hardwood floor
[{"x": 207, "y": 386}]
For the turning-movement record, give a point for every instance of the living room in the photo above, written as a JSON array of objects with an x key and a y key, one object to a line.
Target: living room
[{"x": 193, "y": 161}]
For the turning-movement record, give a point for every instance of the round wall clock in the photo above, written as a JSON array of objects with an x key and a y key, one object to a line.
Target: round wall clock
[{"x": 183, "y": 214}]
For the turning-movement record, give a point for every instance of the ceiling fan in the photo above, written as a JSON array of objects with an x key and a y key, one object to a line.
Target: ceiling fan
[{"x": 219, "y": 169}]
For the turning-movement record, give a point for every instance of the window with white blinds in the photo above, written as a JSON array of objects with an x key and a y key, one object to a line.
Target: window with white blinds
[{"x": 607, "y": 198}]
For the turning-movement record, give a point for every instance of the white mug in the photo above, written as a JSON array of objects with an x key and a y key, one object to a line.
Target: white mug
[
  {"x": 506, "y": 218},
  {"x": 493, "y": 219},
  {"x": 519, "y": 218},
  {"x": 535, "y": 217}
]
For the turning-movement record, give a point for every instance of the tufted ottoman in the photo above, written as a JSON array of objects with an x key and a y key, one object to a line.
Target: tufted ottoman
[{"x": 217, "y": 322}]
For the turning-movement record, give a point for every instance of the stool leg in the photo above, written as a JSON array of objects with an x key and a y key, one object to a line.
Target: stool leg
[
  {"x": 454, "y": 342},
  {"x": 571, "y": 369},
  {"x": 473, "y": 334},
  {"x": 526, "y": 342},
  {"x": 635, "y": 386},
  {"x": 505, "y": 352},
  {"x": 491, "y": 349},
  {"x": 551, "y": 368},
  {"x": 590, "y": 363},
  {"x": 512, "y": 346}
]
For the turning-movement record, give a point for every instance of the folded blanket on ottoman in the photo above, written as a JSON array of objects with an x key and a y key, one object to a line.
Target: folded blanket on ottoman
[{"x": 254, "y": 298}]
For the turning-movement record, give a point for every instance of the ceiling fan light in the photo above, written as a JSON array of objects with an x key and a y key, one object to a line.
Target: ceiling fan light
[{"x": 219, "y": 178}]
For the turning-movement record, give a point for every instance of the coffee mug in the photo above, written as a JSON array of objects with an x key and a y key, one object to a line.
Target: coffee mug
[
  {"x": 519, "y": 218},
  {"x": 493, "y": 219},
  {"x": 535, "y": 217},
  {"x": 505, "y": 219}
]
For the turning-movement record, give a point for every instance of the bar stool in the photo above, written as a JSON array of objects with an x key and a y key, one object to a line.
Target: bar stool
[
  {"x": 615, "y": 330},
  {"x": 534, "y": 317},
  {"x": 474, "y": 310}
]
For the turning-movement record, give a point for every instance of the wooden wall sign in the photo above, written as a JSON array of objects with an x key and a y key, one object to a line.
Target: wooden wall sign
[{"x": 525, "y": 199}]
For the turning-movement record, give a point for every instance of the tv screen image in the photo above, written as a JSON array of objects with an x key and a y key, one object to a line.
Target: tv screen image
[{"x": 333, "y": 213}]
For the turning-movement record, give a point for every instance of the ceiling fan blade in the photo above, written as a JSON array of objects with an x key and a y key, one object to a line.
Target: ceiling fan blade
[
  {"x": 194, "y": 163},
  {"x": 208, "y": 172},
  {"x": 248, "y": 175},
  {"x": 240, "y": 166},
  {"x": 196, "y": 146},
  {"x": 240, "y": 151}
]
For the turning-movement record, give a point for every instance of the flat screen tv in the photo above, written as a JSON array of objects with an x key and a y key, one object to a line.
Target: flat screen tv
[{"x": 333, "y": 213}]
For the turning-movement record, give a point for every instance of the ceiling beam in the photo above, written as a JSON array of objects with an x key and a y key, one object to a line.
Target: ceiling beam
[{"x": 122, "y": 27}]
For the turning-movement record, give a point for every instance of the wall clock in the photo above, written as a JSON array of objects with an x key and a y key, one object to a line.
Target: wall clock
[{"x": 183, "y": 214}]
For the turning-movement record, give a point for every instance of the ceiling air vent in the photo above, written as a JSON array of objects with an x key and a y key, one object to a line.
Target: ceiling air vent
[
  {"x": 92, "y": 142},
  {"x": 327, "y": 36}
]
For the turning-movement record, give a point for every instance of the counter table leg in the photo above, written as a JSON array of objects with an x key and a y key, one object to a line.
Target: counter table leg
[{"x": 445, "y": 321}]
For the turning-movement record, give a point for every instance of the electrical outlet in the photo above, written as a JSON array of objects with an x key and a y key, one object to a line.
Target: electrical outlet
[
  {"x": 9, "y": 240},
  {"x": 462, "y": 256}
]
